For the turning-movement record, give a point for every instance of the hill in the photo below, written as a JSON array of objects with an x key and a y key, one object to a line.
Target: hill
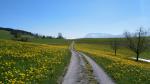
[
  {"x": 21, "y": 35},
  {"x": 8, "y": 33},
  {"x": 11, "y": 30}
]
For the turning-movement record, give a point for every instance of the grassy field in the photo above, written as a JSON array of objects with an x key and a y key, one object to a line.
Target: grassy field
[
  {"x": 52, "y": 41},
  {"x": 32, "y": 63},
  {"x": 122, "y": 69},
  {"x": 5, "y": 34},
  {"x": 98, "y": 40},
  {"x": 104, "y": 44}
]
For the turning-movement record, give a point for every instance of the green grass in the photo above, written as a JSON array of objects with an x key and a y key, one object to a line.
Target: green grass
[
  {"x": 5, "y": 34},
  {"x": 51, "y": 41},
  {"x": 98, "y": 40}
]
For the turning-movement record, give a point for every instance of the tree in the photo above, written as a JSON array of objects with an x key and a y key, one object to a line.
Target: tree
[
  {"x": 43, "y": 36},
  {"x": 17, "y": 35},
  {"x": 60, "y": 36},
  {"x": 137, "y": 42},
  {"x": 114, "y": 45}
]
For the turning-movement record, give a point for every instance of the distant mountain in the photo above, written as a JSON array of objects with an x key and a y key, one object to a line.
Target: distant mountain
[{"x": 102, "y": 35}]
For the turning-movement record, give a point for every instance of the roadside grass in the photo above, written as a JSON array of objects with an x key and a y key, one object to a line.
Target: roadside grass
[
  {"x": 32, "y": 63},
  {"x": 120, "y": 68}
]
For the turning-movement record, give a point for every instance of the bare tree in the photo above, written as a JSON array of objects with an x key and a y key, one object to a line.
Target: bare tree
[
  {"x": 114, "y": 45},
  {"x": 137, "y": 42}
]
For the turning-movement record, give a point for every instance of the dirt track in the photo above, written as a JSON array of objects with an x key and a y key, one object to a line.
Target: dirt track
[{"x": 78, "y": 74}]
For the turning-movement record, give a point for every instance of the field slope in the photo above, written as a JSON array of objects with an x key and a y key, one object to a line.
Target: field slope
[{"x": 32, "y": 63}]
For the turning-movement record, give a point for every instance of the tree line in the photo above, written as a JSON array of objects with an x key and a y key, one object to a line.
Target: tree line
[
  {"x": 21, "y": 35},
  {"x": 138, "y": 42}
]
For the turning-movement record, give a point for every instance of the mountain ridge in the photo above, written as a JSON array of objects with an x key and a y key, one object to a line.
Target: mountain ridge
[{"x": 103, "y": 35}]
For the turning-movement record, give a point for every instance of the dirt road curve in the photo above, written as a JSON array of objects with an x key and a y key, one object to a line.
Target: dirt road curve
[{"x": 79, "y": 73}]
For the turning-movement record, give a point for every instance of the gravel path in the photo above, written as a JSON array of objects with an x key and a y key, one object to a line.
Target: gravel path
[
  {"x": 72, "y": 76},
  {"x": 77, "y": 70},
  {"x": 101, "y": 76}
]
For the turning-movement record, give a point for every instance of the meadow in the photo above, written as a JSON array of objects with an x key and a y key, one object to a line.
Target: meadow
[
  {"x": 32, "y": 63},
  {"x": 104, "y": 44},
  {"x": 121, "y": 68},
  {"x": 51, "y": 41}
]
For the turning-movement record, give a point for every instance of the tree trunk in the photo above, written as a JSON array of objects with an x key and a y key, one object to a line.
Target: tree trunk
[
  {"x": 115, "y": 52},
  {"x": 137, "y": 57}
]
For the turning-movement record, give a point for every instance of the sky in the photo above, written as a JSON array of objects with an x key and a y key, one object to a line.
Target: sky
[{"x": 75, "y": 18}]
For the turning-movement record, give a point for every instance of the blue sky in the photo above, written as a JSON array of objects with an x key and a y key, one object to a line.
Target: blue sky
[{"x": 75, "y": 18}]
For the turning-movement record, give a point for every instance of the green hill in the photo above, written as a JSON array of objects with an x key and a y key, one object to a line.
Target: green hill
[
  {"x": 25, "y": 36},
  {"x": 8, "y": 33}
]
